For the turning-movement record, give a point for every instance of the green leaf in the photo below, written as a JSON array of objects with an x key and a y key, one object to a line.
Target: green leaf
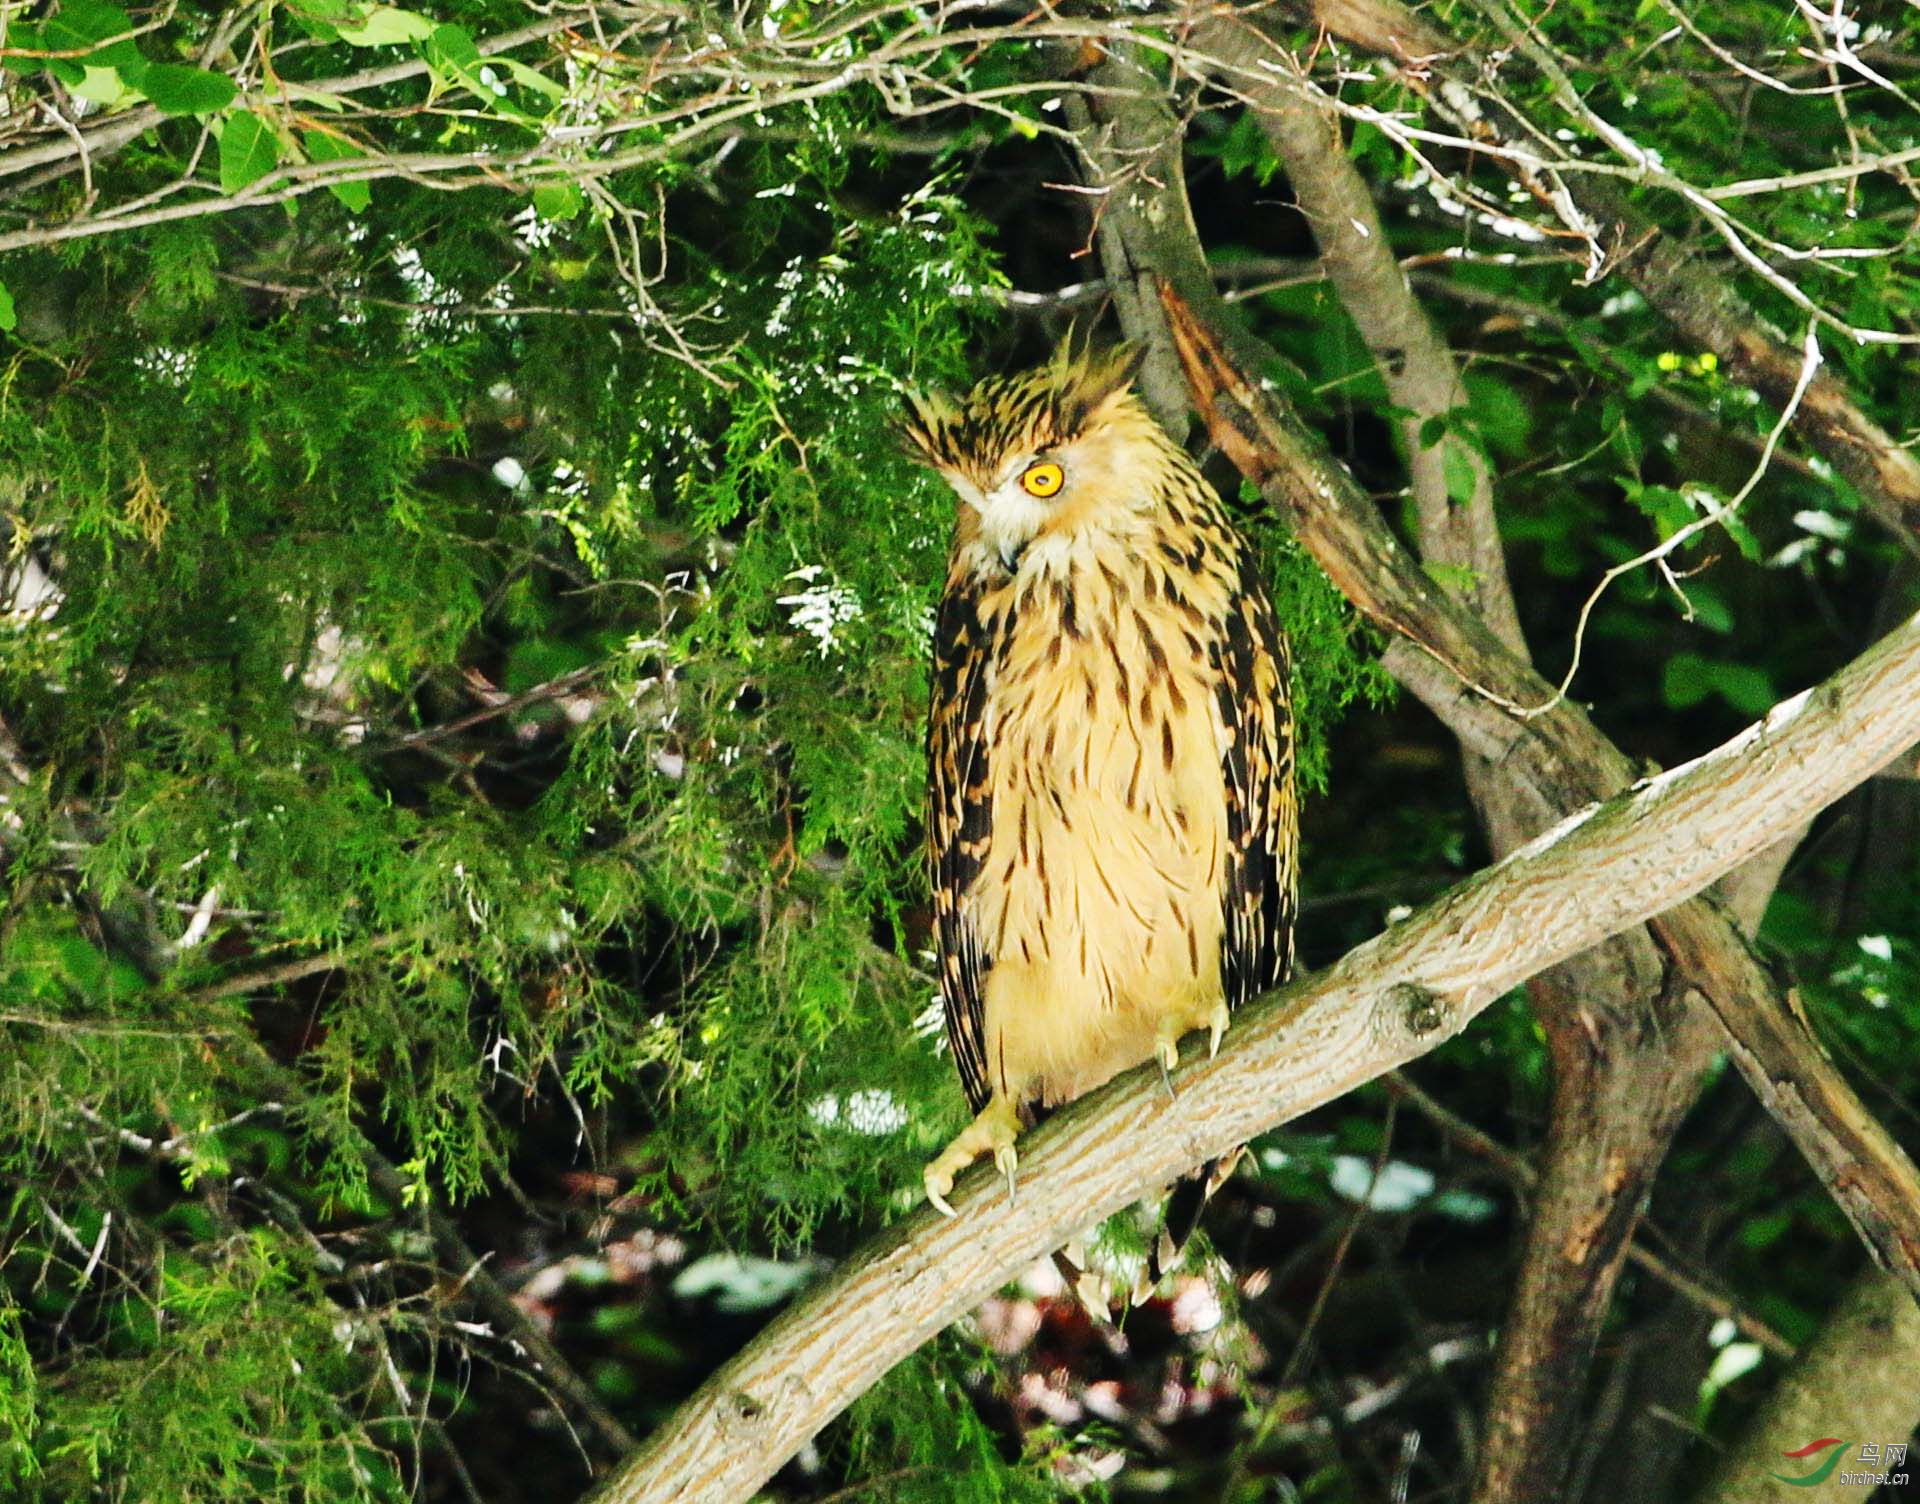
[
  {"x": 321, "y": 147},
  {"x": 294, "y": 89},
  {"x": 23, "y": 36},
  {"x": 1461, "y": 472},
  {"x": 8, "y": 318},
  {"x": 560, "y": 200},
  {"x": 538, "y": 82},
  {"x": 249, "y": 150},
  {"x": 1710, "y": 608},
  {"x": 1668, "y": 508},
  {"x": 103, "y": 86},
  {"x": 1244, "y": 150},
  {"x": 451, "y": 50},
  {"x": 386, "y": 26},
  {"x": 1747, "y": 689},
  {"x": 1691, "y": 679},
  {"x": 1765, "y": 1230},
  {"x": 1501, "y": 415},
  {"x": 1688, "y": 680},
  {"x": 177, "y": 89},
  {"x": 82, "y": 25},
  {"x": 1742, "y": 536},
  {"x": 454, "y": 58}
]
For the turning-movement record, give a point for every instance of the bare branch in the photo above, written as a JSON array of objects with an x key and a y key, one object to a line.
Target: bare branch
[
  {"x": 1702, "y": 303},
  {"x": 1519, "y": 1173},
  {"x": 1418, "y": 370}
]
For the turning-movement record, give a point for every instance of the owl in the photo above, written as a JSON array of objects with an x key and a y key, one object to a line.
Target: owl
[{"x": 1111, "y": 806}]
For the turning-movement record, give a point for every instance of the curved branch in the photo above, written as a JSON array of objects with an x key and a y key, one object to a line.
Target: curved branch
[
  {"x": 1415, "y": 365},
  {"x": 1392, "y": 999}
]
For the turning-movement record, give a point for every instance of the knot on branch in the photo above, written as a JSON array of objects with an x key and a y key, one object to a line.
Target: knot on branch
[{"x": 1421, "y": 1010}]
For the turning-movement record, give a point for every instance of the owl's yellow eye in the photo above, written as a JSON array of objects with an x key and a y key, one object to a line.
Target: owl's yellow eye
[{"x": 1043, "y": 479}]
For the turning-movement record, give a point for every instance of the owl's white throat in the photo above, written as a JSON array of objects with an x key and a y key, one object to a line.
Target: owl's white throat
[{"x": 1009, "y": 519}]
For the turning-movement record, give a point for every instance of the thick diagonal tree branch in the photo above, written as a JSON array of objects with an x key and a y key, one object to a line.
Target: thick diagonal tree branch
[{"x": 1385, "y": 1003}]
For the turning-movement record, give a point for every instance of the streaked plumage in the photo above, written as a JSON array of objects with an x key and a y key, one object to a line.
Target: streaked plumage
[{"x": 1111, "y": 812}]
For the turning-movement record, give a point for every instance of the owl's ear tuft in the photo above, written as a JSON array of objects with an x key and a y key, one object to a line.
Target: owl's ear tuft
[
  {"x": 922, "y": 427},
  {"x": 1094, "y": 384}
]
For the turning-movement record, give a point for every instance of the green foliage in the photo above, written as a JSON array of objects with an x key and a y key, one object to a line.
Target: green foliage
[
  {"x": 1334, "y": 657},
  {"x": 289, "y": 534},
  {"x": 227, "y": 1380},
  {"x": 272, "y": 545},
  {"x": 920, "y": 1427},
  {"x": 19, "y": 1402},
  {"x": 179, "y": 90}
]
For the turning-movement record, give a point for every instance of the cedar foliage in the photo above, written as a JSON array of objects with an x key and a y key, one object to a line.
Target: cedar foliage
[{"x": 285, "y": 528}]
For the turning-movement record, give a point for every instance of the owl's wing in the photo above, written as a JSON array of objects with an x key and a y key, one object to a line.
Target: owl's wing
[
  {"x": 959, "y": 819},
  {"x": 1262, "y": 830}
]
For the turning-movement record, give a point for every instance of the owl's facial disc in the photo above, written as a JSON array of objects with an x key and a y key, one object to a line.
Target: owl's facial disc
[{"x": 1018, "y": 505}]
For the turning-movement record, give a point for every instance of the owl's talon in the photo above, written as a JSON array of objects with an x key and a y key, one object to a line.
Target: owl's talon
[
  {"x": 1167, "y": 1052},
  {"x": 937, "y": 1178},
  {"x": 1217, "y": 1023},
  {"x": 992, "y": 1132}
]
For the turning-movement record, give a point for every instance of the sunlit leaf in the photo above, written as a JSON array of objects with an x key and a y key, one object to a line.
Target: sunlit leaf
[
  {"x": 387, "y": 26},
  {"x": 560, "y": 200},
  {"x": 249, "y": 150},
  {"x": 321, "y": 146}
]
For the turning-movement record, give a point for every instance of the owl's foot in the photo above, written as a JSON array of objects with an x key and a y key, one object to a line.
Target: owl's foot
[
  {"x": 992, "y": 1132},
  {"x": 1166, "y": 1045}
]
